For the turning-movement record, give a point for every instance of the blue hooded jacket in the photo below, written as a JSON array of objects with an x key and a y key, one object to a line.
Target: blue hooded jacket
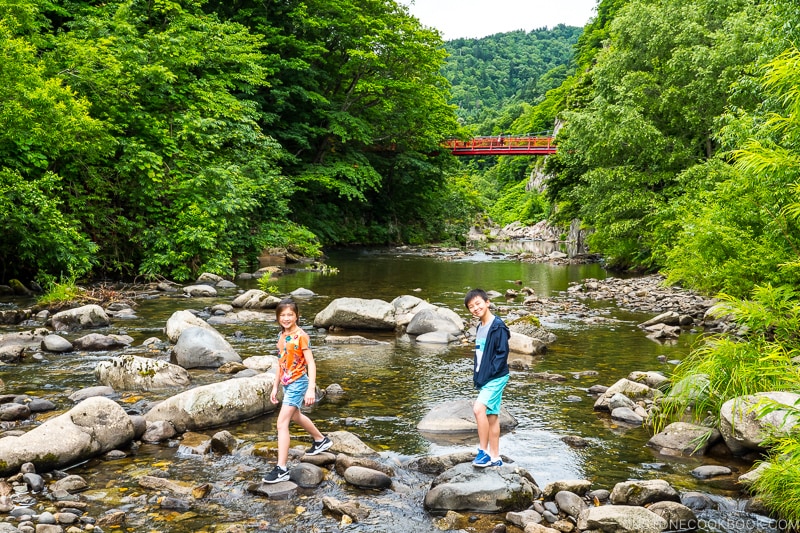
[{"x": 495, "y": 355}]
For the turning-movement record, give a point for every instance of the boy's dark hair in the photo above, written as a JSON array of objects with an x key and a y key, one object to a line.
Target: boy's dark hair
[{"x": 471, "y": 295}]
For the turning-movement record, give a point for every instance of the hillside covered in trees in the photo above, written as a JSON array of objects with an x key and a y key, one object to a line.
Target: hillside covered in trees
[{"x": 490, "y": 73}]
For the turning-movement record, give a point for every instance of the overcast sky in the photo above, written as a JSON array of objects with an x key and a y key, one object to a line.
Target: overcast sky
[{"x": 479, "y": 18}]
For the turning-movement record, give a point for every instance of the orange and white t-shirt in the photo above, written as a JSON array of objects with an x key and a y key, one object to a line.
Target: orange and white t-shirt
[{"x": 292, "y": 363}]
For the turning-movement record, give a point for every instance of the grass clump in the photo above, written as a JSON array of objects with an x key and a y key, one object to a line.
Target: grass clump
[{"x": 757, "y": 358}]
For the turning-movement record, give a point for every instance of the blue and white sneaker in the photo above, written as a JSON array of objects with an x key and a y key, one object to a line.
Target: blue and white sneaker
[
  {"x": 496, "y": 462},
  {"x": 482, "y": 460}
]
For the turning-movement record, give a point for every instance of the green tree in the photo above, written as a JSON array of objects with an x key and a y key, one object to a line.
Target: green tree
[
  {"x": 193, "y": 183},
  {"x": 46, "y": 128}
]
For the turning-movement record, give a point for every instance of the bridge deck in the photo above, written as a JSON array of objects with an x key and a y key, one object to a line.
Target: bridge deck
[{"x": 500, "y": 145}]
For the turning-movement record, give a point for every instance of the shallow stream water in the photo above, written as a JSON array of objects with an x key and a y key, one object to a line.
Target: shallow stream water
[{"x": 389, "y": 388}]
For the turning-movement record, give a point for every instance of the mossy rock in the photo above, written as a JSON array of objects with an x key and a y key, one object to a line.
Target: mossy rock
[{"x": 527, "y": 320}]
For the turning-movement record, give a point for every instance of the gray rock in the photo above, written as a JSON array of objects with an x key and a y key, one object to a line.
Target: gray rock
[
  {"x": 223, "y": 442},
  {"x": 493, "y": 490},
  {"x": 90, "y": 392},
  {"x": 430, "y": 320},
  {"x": 307, "y": 475},
  {"x": 367, "y": 478},
  {"x": 621, "y": 519},
  {"x": 520, "y": 343},
  {"x": 256, "y": 299},
  {"x": 624, "y": 414},
  {"x": 576, "y": 486},
  {"x": 344, "y": 461},
  {"x": 678, "y": 516},
  {"x": 620, "y": 400},
  {"x": 456, "y": 416},
  {"x": 94, "y": 426},
  {"x": 276, "y": 491},
  {"x": 71, "y": 484},
  {"x": 643, "y": 492},
  {"x": 301, "y": 292},
  {"x": 570, "y": 503},
  {"x": 95, "y": 342},
  {"x": 57, "y": 344},
  {"x": 683, "y": 439},
  {"x": 744, "y": 428},
  {"x": 523, "y": 518},
  {"x": 199, "y": 347},
  {"x": 35, "y": 482},
  {"x": 349, "y": 444},
  {"x": 225, "y": 284},
  {"x": 709, "y": 471},
  {"x": 87, "y": 316},
  {"x": 200, "y": 291},
  {"x": 357, "y": 313},
  {"x": 11, "y": 354},
  {"x": 183, "y": 320},
  {"x": 40, "y": 405},
  {"x": 159, "y": 430},
  {"x": 14, "y": 411},
  {"x": 216, "y": 404},
  {"x": 131, "y": 372}
]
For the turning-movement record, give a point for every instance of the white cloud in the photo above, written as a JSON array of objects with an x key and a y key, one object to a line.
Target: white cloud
[{"x": 479, "y": 18}]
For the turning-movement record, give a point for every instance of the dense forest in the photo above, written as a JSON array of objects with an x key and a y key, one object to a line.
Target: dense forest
[
  {"x": 495, "y": 72},
  {"x": 169, "y": 138}
]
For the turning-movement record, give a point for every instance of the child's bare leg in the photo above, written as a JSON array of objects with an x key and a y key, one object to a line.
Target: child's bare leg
[
  {"x": 493, "y": 422},
  {"x": 483, "y": 425},
  {"x": 303, "y": 421},
  {"x": 285, "y": 416}
]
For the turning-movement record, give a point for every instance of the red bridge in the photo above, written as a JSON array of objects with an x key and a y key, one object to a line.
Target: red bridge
[{"x": 502, "y": 145}]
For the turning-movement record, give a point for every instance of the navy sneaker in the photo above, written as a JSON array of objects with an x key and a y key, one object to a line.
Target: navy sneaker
[
  {"x": 482, "y": 460},
  {"x": 319, "y": 447},
  {"x": 277, "y": 475}
]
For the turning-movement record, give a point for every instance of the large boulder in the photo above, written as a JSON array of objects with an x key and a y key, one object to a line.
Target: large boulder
[
  {"x": 492, "y": 490},
  {"x": 199, "y": 347},
  {"x": 96, "y": 342},
  {"x": 87, "y": 316},
  {"x": 256, "y": 299},
  {"x": 216, "y": 404},
  {"x": 406, "y": 306},
  {"x": 28, "y": 339},
  {"x": 519, "y": 343},
  {"x": 683, "y": 439},
  {"x": 357, "y": 313},
  {"x": 94, "y": 426},
  {"x": 183, "y": 320},
  {"x": 456, "y": 416},
  {"x": 638, "y": 492},
  {"x": 200, "y": 291},
  {"x": 131, "y": 372},
  {"x": 743, "y": 426},
  {"x": 621, "y": 519},
  {"x": 435, "y": 319}
]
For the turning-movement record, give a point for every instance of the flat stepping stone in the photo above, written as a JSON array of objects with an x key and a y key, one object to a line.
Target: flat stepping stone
[
  {"x": 709, "y": 471},
  {"x": 274, "y": 491}
]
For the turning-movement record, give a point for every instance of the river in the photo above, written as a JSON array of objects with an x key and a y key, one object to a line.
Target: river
[{"x": 389, "y": 388}]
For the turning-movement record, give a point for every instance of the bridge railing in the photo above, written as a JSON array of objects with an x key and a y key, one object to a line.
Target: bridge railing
[{"x": 503, "y": 145}]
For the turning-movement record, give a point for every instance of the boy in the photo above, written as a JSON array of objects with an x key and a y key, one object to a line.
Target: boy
[{"x": 490, "y": 375}]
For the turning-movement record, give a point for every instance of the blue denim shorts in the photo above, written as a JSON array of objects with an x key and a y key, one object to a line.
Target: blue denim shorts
[
  {"x": 491, "y": 395},
  {"x": 295, "y": 392}
]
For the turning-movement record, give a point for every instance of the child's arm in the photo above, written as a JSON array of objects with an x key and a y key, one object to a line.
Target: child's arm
[
  {"x": 311, "y": 393},
  {"x": 273, "y": 395}
]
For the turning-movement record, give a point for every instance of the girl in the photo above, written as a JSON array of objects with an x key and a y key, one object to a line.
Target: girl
[{"x": 297, "y": 372}]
